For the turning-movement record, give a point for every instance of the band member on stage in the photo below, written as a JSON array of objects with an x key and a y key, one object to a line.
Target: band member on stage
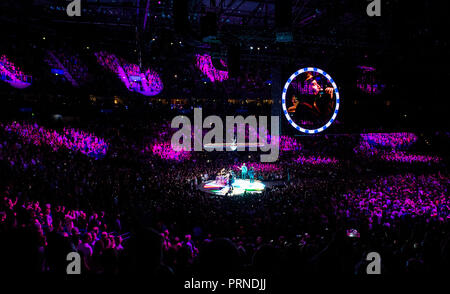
[
  {"x": 231, "y": 177},
  {"x": 251, "y": 175},
  {"x": 244, "y": 171},
  {"x": 230, "y": 180}
]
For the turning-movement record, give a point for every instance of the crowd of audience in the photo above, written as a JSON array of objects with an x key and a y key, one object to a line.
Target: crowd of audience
[
  {"x": 262, "y": 171},
  {"x": 316, "y": 160},
  {"x": 409, "y": 158},
  {"x": 13, "y": 72},
  {"x": 58, "y": 229},
  {"x": 397, "y": 141},
  {"x": 391, "y": 197},
  {"x": 389, "y": 147},
  {"x": 205, "y": 65},
  {"x": 166, "y": 151},
  {"x": 296, "y": 226},
  {"x": 148, "y": 83},
  {"x": 68, "y": 138}
]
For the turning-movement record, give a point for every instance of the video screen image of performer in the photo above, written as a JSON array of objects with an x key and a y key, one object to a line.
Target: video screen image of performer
[{"x": 311, "y": 101}]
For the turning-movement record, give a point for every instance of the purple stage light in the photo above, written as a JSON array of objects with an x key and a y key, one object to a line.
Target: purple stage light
[{"x": 204, "y": 63}]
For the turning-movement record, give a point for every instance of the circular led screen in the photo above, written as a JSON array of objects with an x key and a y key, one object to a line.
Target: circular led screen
[{"x": 310, "y": 100}]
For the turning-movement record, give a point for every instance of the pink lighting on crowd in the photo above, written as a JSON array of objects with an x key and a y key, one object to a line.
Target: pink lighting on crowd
[
  {"x": 259, "y": 167},
  {"x": 147, "y": 82},
  {"x": 390, "y": 140},
  {"x": 204, "y": 63},
  {"x": 409, "y": 158},
  {"x": 165, "y": 151},
  {"x": 388, "y": 147},
  {"x": 392, "y": 197},
  {"x": 71, "y": 139},
  {"x": 316, "y": 160},
  {"x": 375, "y": 143},
  {"x": 289, "y": 144},
  {"x": 11, "y": 74}
]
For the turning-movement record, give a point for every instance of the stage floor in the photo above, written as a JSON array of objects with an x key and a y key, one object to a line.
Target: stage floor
[{"x": 240, "y": 186}]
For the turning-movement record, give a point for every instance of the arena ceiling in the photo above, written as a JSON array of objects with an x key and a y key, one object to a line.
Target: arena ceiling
[{"x": 313, "y": 22}]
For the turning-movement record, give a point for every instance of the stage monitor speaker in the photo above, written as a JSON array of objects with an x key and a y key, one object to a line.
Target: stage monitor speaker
[
  {"x": 234, "y": 60},
  {"x": 283, "y": 14},
  {"x": 180, "y": 15}
]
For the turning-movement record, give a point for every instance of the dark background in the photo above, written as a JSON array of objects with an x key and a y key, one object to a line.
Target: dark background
[{"x": 407, "y": 45}]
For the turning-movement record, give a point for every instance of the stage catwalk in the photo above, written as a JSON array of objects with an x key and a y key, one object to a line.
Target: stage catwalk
[{"x": 239, "y": 187}]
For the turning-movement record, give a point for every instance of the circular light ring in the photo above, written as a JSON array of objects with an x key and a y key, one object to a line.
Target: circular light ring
[{"x": 283, "y": 100}]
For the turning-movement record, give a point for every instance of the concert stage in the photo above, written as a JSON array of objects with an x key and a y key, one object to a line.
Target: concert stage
[{"x": 239, "y": 187}]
